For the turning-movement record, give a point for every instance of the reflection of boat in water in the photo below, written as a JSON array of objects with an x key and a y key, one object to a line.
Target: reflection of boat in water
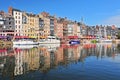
[
  {"x": 24, "y": 46},
  {"x": 106, "y": 40},
  {"x": 50, "y": 47},
  {"x": 74, "y": 42},
  {"x": 24, "y": 42},
  {"x": 68, "y": 46},
  {"x": 104, "y": 43},
  {"x": 50, "y": 40}
]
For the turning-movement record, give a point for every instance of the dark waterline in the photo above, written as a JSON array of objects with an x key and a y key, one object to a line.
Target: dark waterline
[{"x": 53, "y": 62}]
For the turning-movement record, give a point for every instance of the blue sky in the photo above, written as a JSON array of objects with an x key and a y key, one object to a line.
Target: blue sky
[{"x": 93, "y": 11}]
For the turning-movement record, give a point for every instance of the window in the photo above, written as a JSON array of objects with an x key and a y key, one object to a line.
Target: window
[
  {"x": 19, "y": 22},
  {"x": 9, "y": 22},
  {"x": 24, "y": 20},
  {"x": 1, "y": 22},
  {"x": 0, "y": 26}
]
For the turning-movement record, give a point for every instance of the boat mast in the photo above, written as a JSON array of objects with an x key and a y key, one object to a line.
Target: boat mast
[
  {"x": 105, "y": 35},
  {"x": 100, "y": 32}
]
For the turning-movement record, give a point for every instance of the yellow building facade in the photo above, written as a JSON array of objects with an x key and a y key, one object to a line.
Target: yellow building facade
[
  {"x": 30, "y": 25},
  {"x": 44, "y": 26}
]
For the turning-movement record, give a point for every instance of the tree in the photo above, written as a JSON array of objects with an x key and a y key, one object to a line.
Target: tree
[{"x": 118, "y": 36}]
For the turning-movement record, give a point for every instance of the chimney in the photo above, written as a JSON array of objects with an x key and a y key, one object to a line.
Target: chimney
[{"x": 10, "y": 10}]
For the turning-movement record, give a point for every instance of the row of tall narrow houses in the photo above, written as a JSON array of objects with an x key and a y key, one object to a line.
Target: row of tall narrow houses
[{"x": 17, "y": 23}]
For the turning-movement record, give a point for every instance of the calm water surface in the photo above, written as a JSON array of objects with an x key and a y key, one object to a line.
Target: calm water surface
[{"x": 60, "y": 62}]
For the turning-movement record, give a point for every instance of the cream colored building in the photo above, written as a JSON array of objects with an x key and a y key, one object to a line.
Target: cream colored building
[{"x": 17, "y": 14}]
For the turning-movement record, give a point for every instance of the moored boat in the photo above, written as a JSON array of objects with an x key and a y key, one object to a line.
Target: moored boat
[
  {"x": 24, "y": 46},
  {"x": 74, "y": 42},
  {"x": 24, "y": 42}
]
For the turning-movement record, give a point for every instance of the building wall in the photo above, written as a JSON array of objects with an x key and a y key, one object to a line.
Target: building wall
[
  {"x": 7, "y": 26},
  {"x": 18, "y": 22},
  {"x": 75, "y": 29},
  {"x": 31, "y": 26},
  {"x": 59, "y": 30},
  {"x": 72, "y": 29},
  {"x": 46, "y": 27}
]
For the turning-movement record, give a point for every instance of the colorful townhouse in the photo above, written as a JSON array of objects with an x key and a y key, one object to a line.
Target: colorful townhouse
[
  {"x": 30, "y": 25},
  {"x": 7, "y": 26},
  {"x": 17, "y": 15}
]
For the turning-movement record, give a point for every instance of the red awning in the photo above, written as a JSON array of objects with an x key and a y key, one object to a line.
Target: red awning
[
  {"x": 3, "y": 50},
  {"x": 21, "y": 37},
  {"x": 73, "y": 37}
]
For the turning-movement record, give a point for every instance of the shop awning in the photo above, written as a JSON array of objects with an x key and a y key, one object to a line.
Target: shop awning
[
  {"x": 2, "y": 50},
  {"x": 3, "y": 37},
  {"x": 32, "y": 37},
  {"x": 21, "y": 37},
  {"x": 73, "y": 37}
]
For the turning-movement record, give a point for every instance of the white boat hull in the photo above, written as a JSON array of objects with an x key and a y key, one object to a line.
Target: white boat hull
[
  {"x": 50, "y": 42},
  {"x": 24, "y": 43},
  {"x": 24, "y": 46}
]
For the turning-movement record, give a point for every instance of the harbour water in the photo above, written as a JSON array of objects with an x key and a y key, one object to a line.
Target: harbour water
[{"x": 60, "y": 62}]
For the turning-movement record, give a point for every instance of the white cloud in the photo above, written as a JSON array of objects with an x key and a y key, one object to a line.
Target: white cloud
[{"x": 114, "y": 20}]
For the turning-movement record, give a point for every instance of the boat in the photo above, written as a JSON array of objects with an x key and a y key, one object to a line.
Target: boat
[
  {"x": 74, "y": 42},
  {"x": 24, "y": 42},
  {"x": 24, "y": 46},
  {"x": 50, "y": 40}
]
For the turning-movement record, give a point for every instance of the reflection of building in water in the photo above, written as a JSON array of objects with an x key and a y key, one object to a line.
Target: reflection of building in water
[
  {"x": 18, "y": 63},
  {"x": 100, "y": 50},
  {"x": 43, "y": 59},
  {"x": 31, "y": 59},
  {"x": 3, "y": 52},
  {"x": 8, "y": 67},
  {"x": 71, "y": 53},
  {"x": 59, "y": 56},
  {"x": 25, "y": 60}
]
